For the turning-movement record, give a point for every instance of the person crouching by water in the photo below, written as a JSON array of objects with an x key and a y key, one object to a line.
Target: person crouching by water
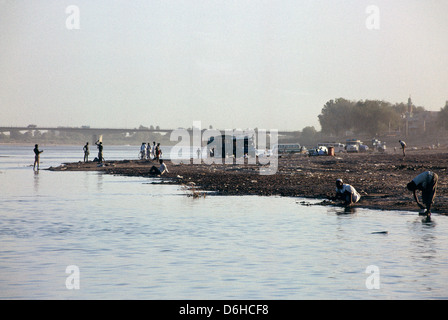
[
  {"x": 160, "y": 170},
  {"x": 426, "y": 182},
  {"x": 347, "y": 193},
  {"x": 37, "y": 153}
]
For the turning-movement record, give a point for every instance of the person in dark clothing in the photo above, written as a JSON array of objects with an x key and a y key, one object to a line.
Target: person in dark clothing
[
  {"x": 86, "y": 152},
  {"x": 158, "y": 152},
  {"x": 100, "y": 151},
  {"x": 37, "y": 153}
]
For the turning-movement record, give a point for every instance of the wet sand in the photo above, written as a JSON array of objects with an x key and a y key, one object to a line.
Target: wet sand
[{"x": 380, "y": 178}]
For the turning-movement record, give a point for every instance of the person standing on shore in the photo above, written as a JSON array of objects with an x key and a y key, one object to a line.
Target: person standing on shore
[
  {"x": 148, "y": 151},
  {"x": 347, "y": 193},
  {"x": 158, "y": 152},
  {"x": 403, "y": 147},
  {"x": 100, "y": 151},
  {"x": 143, "y": 151},
  {"x": 86, "y": 152},
  {"x": 37, "y": 153},
  {"x": 153, "y": 150},
  {"x": 426, "y": 182}
]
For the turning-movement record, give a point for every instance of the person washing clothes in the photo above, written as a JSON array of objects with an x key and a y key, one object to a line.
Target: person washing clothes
[{"x": 347, "y": 193}]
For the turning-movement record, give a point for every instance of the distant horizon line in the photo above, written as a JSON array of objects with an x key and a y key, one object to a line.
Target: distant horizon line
[{"x": 87, "y": 128}]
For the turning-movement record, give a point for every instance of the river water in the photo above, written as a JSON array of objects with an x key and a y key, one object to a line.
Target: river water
[{"x": 87, "y": 235}]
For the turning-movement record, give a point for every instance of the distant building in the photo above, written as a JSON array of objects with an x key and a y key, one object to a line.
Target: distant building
[{"x": 418, "y": 122}]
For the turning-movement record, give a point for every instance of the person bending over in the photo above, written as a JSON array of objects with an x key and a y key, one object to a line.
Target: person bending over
[
  {"x": 347, "y": 193},
  {"x": 426, "y": 182}
]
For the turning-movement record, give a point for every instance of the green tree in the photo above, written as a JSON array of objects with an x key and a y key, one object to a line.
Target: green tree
[
  {"x": 374, "y": 116},
  {"x": 370, "y": 116},
  {"x": 308, "y": 135},
  {"x": 336, "y": 116}
]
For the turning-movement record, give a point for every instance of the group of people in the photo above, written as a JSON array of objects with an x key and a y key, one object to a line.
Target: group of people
[
  {"x": 156, "y": 154},
  {"x": 153, "y": 152},
  {"x": 86, "y": 150},
  {"x": 426, "y": 182},
  {"x": 150, "y": 152}
]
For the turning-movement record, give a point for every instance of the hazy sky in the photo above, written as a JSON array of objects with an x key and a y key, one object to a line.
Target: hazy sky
[{"x": 230, "y": 63}]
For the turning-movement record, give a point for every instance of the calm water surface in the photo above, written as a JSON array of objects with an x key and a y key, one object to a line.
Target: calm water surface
[{"x": 132, "y": 239}]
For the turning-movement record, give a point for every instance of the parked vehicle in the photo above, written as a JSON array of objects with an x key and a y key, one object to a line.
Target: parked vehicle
[
  {"x": 288, "y": 148},
  {"x": 363, "y": 148},
  {"x": 353, "y": 145}
]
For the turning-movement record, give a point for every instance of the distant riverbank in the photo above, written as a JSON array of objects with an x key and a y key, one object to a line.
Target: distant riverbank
[{"x": 380, "y": 178}]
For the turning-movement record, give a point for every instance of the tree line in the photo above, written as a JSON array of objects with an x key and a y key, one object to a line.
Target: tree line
[
  {"x": 370, "y": 117},
  {"x": 342, "y": 118}
]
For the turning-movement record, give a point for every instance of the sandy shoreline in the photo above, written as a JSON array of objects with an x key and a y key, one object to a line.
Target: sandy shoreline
[{"x": 380, "y": 178}]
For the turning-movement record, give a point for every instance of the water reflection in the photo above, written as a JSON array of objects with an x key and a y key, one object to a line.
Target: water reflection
[
  {"x": 342, "y": 210},
  {"x": 172, "y": 246},
  {"x": 36, "y": 181},
  {"x": 424, "y": 254},
  {"x": 423, "y": 239},
  {"x": 349, "y": 210},
  {"x": 100, "y": 181}
]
